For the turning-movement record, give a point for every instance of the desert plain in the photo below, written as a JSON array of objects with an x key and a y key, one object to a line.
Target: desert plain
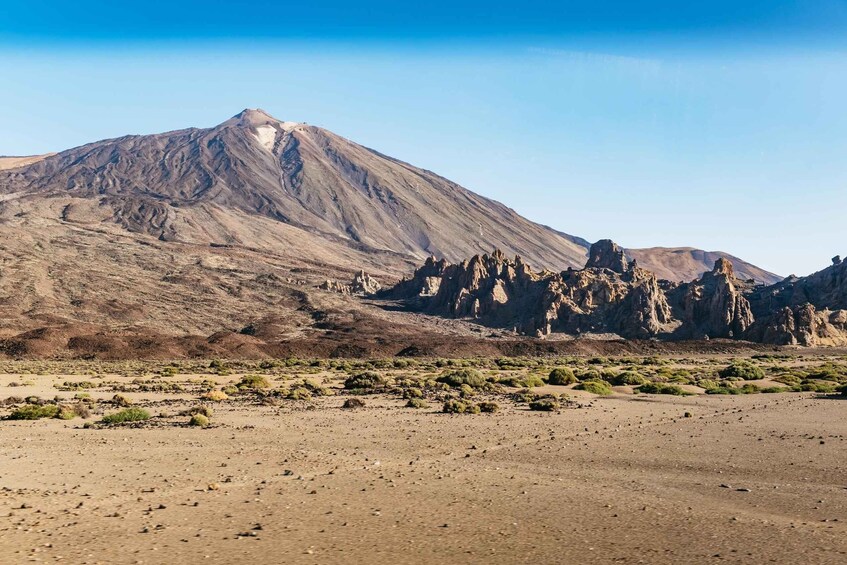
[{"x": 247, "y": 461}]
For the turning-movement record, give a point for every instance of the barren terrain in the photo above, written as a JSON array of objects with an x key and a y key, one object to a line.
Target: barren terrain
[{"x": 282, "y": 473}]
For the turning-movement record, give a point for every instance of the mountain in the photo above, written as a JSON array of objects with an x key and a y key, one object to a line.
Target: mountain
[
  {"x": 169, "y": 186},
  {"x": 613, "y": 296},
  {"x": 175, "y": 186},
  {"x": 227, "y": 232},
  {"x": 685, "y": 264}
]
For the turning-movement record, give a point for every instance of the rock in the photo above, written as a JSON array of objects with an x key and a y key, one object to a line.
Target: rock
[
  {"x": 613, "y": 296},
  {"x": 352, "y": 403},
  {"x": 362, "y": 284},
  {"x": 606, "y": 254},
  {"x": 714, "y": 305}
]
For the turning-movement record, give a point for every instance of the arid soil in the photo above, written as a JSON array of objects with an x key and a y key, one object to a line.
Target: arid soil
[{"x": 629, "y": 477}]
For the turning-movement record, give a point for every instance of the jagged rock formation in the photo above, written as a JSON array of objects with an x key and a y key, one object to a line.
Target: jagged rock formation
[
  {"x": 362, "y": 284},
  {"x": 808, "y": 311},
  {"x": 613, "y": 295},
  {"x": 714, "y": 306},
  {"x": 606, "y": 254}
]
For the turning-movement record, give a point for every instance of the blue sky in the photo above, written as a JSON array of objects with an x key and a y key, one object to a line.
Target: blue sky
[{"x": 720, "y": 127}]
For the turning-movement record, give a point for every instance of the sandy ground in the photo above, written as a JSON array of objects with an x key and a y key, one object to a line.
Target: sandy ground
[{"x": 623, "y": 479}]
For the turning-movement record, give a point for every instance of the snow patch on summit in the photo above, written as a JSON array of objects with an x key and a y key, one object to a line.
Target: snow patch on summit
[{"x": 266, "y": 136}]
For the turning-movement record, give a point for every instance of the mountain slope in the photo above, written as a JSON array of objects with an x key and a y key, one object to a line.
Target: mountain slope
[
  {"x": 184, "y": 186},
  {"x": 301, "y": 175},
  {"x": 685, "y": 264}
]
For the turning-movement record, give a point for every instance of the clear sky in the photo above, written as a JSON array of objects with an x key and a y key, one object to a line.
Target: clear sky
[{"x": 654, "y": 123}]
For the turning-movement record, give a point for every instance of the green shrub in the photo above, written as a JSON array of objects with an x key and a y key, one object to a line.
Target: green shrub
[
  {"x": 661, "y": 388},
  {"x": 315, "y": 388},
  {"x": 525, "y": 381},
  {"x": 489, "y": 407},
  {"x": 455, "y": 406},
  {"x": 298, "y": 393},
  {"x": 789, "y": 379},
  {"x": 368, "y": 380},
  {"x": 775, "y": 389},
  {"x": 198, "y": 420},
  {"x": 219, "y": 367},
  {"x": 126, "y": 415},
  {"x": 544, "y": 404},
  {"x": 816, "y": 386},
  {"x": 742, "y": 370},
  {"x": 628, "y": 378},
  {"x": 708, "y": 384},
  {"x": 595, "y": 387},
  {"x": 589, "y": 375},
  {"x": 561, "y": 376},
  {"x": 522, "y": 396},
  {"x": 412, "y": 392},
  {"x": 253, "y": 382},
  {"x": 35, "y": 412},
  {"x": 727, "y": 388},
  {"x": 417, "y": 403},
  {"x": 466, "y": 391},
  {"x": 469, "y": 377}
]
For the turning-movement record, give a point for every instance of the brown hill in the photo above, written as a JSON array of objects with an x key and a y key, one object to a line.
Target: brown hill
[{"x": 685, "y": 264}]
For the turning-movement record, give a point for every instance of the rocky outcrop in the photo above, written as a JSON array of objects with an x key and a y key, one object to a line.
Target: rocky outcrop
[
  {"x": 614, "y": 296},
  {"x": 802, "y": 325},
  {"x": 606, "y": 254},
  {"x": 362, "y": 284},
  {"x": 714, "y": 305}
]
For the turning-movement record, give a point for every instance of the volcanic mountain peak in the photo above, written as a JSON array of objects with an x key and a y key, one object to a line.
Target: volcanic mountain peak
[
  {"x": 258, "y": 118},
  {"x": 216, "y": 185}
]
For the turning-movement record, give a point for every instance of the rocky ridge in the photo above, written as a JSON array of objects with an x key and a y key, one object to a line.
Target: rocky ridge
[{"x": 613, "y": 295}]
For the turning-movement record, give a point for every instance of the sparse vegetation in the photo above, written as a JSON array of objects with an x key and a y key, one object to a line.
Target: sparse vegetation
[
  {"x": 35, "y": 412},
  {"x": 662, "y": 388},
  {"x": 601, "y": 388},
  {"x": 454, "y": 406},
  {"x": 417, "y": 403},
  {"x": 628, "y": 378},
  {"x": 369, "y": 380},
  {"x": 253, "y": 382},
  {"x": 468, "y": 377},
  {"x": 561, "y": 376},
  {"x": 126, "y": 415},
  {"x": 743, "y": 370},
  {"x": 545, "y": 404},
  {"x": 199, "y": 420},
  {"x": 489, "y": 407}
]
